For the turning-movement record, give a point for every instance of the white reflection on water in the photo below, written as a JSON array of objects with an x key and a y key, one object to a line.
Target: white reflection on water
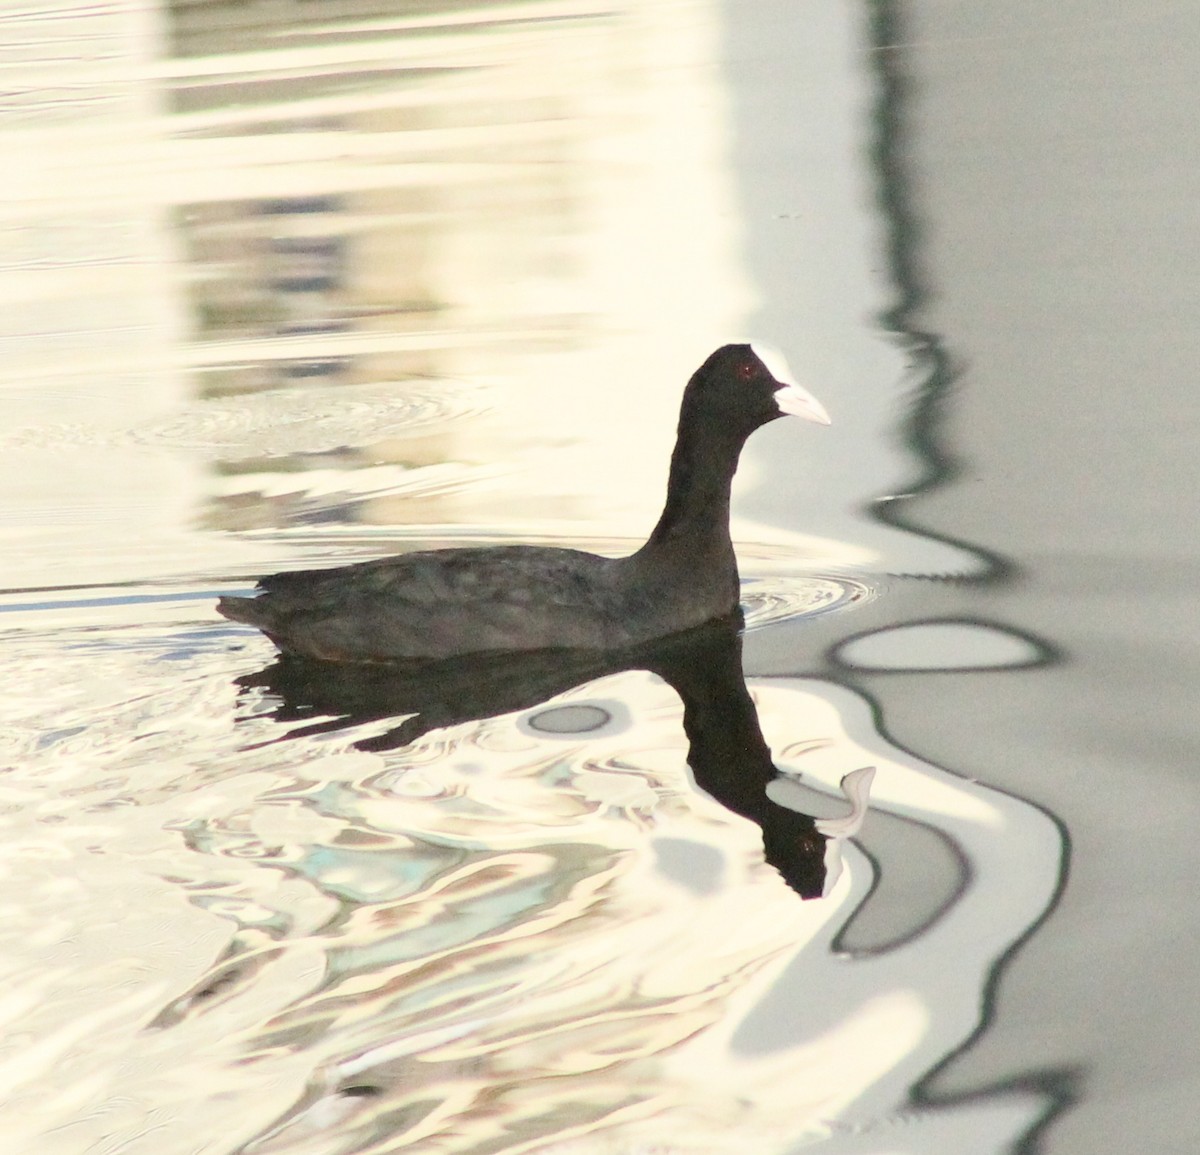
[
  {"x": 945, "y": 645},
  {"x": 485, "y": 933},
  {"x": 439, "y": 270}
]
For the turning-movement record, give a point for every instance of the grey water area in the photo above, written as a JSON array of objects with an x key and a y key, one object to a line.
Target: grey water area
[{"x": 294, "y": 285}]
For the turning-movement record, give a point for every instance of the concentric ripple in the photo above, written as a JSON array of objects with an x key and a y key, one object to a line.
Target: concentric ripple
[
  {"x": 768, "y": 600},
  {"x": 276, "y": 422},
  {"x": 288, "y": 421}
]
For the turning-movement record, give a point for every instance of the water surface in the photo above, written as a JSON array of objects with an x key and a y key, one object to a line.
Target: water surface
[{"x": 294, "y": 291}]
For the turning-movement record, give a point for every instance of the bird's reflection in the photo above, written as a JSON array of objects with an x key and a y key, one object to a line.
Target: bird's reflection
[{"x": 729, "y": 757}]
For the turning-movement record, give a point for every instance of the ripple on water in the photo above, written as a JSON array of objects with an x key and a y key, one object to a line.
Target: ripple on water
[
  {"x": 771, "y": 599},
  {"x": 534, "y": 917},
  {"x": 277, "y": 422},
  {"x": 288, "y": 421}
]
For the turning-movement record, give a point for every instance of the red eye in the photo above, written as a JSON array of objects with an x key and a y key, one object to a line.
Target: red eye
[{"x": 747, "y": 370}]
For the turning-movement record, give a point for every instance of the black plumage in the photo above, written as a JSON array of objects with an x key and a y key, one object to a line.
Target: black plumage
[{"x": 442, "y": 603}]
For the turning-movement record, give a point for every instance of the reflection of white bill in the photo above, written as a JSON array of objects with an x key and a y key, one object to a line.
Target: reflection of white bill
[{"x": 857, "y": 788}]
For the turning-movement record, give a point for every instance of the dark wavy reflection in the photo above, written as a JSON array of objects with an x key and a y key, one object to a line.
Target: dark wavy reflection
[{"x": 727, "y": 753}]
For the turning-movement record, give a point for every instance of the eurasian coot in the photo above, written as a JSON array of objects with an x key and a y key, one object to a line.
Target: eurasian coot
[{"x": 441, "y": 603}]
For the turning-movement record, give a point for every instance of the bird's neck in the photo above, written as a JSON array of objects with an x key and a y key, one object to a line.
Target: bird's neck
[{"x": 695, "y": 519}]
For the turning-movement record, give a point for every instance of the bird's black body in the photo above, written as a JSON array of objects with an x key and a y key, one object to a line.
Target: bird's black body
[{"x": 442, "y": 603}]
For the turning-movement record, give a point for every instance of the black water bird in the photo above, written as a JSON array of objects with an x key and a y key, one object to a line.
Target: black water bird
[{"x": 441, "y": 603}]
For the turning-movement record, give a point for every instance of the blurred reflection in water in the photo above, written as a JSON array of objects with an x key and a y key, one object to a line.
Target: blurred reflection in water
[
  {"x": 533, "y": 922},
  {"x": 344, "y": 266},
  {"x": 442, "y": 210},
  {"x": 727, "y": 755}
]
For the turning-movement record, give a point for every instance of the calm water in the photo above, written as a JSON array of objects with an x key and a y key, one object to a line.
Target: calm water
[{"x": 292, "y": 286}]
